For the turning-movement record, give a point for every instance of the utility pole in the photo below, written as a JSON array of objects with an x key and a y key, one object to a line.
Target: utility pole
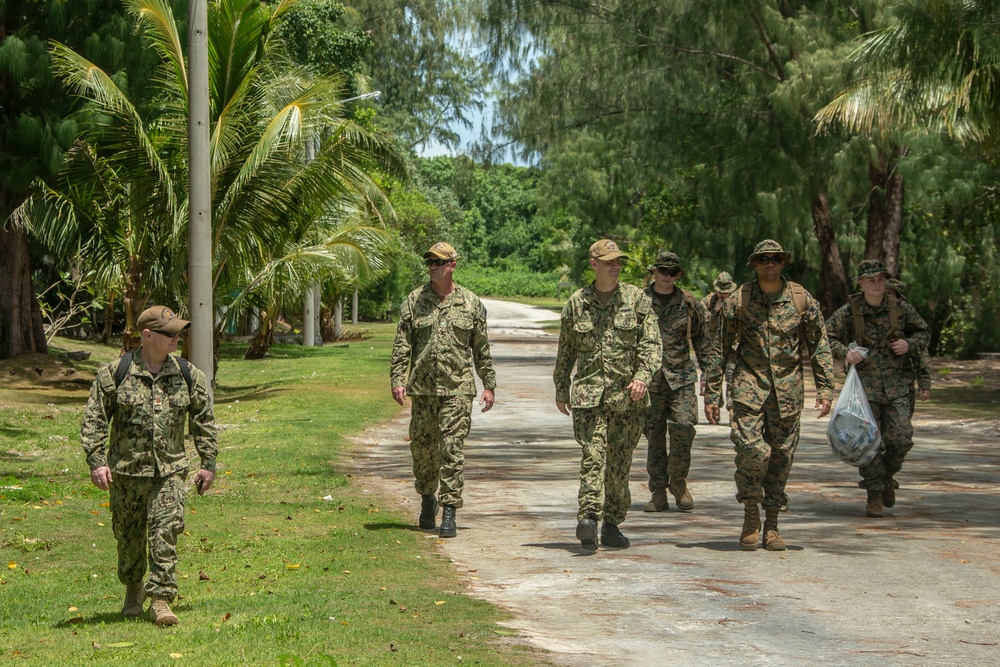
[{"x": 201, "y": 336}]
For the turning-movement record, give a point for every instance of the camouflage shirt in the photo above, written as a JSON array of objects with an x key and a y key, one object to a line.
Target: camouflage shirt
[
  {"x": 440, "y": 341},
  {"x": 768, "y": 356},
  {"x": 610, "y": 345},
  {"x": 137, "y": 428},
  {"x": 674, "y": 315},
  {"x": 921, "y": 370},
  {"x": 713, "y": 323},
  {"x": 886, "y": 376}
]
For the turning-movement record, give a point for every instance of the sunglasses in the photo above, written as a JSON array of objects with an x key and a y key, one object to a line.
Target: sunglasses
[
  {"x": 769, "y": 259},
  {"x": 167, "y": 333},
  {"x": 438, "y": 262},
  {"x": 668, "y": 272}
]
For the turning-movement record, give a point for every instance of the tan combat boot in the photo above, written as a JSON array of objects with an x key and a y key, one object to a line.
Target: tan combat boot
[
  {"x": 658, "y": 503},
  {"x": 751, "y": 527},
  {"x": 772, "y": 540},
  {"x": 160, "y": 613},
  {"x": 682, "y": 496},
  {"x": 874, "y": 506},
  {"x": 134, "y": 597}
]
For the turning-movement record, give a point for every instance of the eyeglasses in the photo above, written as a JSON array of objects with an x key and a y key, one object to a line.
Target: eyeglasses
[
  {"x": 769, "y": 259},
  {"x": 167, "y": 333},
  {"x": 668, "y": 272},
  {"x": 438, "y": 262}
]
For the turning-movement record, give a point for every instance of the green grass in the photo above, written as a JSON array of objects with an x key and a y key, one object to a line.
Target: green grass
[{"x": 289, "y": 578}]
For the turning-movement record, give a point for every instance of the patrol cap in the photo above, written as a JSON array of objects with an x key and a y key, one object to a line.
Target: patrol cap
[
  {"x": 871, "y": 267},
  {"x": 161, "y": 318},
  {"x": 724, "y": 283},
  {"x": 768, "y": 247},
  {"x": 441, "y": 250},
  {"x": 606, "y": 250},
  {"x": 667, "y": 260}
]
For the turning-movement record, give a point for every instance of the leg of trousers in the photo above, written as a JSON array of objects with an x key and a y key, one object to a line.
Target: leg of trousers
[
  {"x": 765, "y": 447},
  {"x": 438, "y": 428},
  {"x": 893, "y": 419},
  {"x": 607, "y": 440}
]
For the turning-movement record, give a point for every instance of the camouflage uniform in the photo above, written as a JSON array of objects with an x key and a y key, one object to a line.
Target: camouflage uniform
[
  {"x": 137, "y": 430},
  {"x": 885, "y": 376},
  {"x": 610, "y": 345},
  {"x": 440, "y": 342},
  {"x": 672, "y": 393},
  {"x": 767, "y": 386},
  {"x": 722, "y": 288}
]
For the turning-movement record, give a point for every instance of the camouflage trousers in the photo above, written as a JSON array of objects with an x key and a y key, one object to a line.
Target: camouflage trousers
[
  {"x": 438, "y": 428},
  {"x": 893, "y": 419},
  {"x": 148, "y": 512},
  {"x": 607, "y": 439},
  {"x": 913, "y": 398},
  {"x": 672, "y": 413},
  {"x": 765, "y": 446}
]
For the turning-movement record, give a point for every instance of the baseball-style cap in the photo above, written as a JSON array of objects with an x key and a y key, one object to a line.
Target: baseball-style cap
[
  {"x": 161, "y": 318},
  {"x": 871, "y": 267},
  {"x": 441, "y": 250},
  {"x": 667, "y": 260},
  {"x": 606, "y": 250},
  {"x": 768, "y": 247},
  {"x": 724, "y": 283}
]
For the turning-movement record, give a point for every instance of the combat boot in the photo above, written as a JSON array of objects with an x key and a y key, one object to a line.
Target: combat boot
[
  {"x": 586, "y": 532},
  {"x": 611, "y": 536},
  {"x": 749, "y": 537},
  {"x": 448, "y": 528},
  {"x": 134, "y": 597},
  {"x": 874, "y": 506},
  {"x": 160, "y": 613},
  {"x": 428, "y": 511},
  {"x": 682, "y": 496},
  {"x": 772, "y": 540},
  {"x": 889, "y": 491},
  {"x": 658, "y": 503}
]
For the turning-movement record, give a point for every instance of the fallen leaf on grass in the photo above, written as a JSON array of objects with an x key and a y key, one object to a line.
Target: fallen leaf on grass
[
  {"x": 439, "y": 602},
  {"x": 72, "y": 609},
  {"x": 176, "y": 655},
  {"x": 204, "y": 577},
  {"x": 108, "y": 504},
  {"x": 121, "y": 645},
  {"x": 100, "y": 524},
  {"x": 292, "y": 566},
  {"x": 76, "y": 619},
  {"x": 12, "y": 565},
  {"x": 227, "y": 617}
]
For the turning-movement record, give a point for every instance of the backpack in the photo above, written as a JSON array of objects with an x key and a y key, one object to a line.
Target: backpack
[
  {"x": 125, "y": 362},
  {"x": 799, "y": 301},
  {"x": 692, "y": 307},
  {"x": 859, "y": 320}
]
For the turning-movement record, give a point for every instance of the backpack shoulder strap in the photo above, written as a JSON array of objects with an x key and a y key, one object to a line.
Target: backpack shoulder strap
[
  {"x": 859, "y": 323},
  {"x": 185, "y": 370},
  {"x": 798, "y": 297},
  {"x": 692, "y": 308},
  {"x": 893, "y": 314},
  {"x": 124, "y": 364},
  {"x": 742, "y": 303}
]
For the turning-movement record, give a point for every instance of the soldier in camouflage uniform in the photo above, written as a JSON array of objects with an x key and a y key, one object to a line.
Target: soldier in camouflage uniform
[
  {"x": 682, "y": 322},
  {"x": 133, "y": 437},
  {"x": 894, "y": 335},
  {"x": 920, "y": 367},
  {"x": 712, "y": 303},
  {"x": 440, "y": 337},
  {"x": 608, "y": 333},
  {"x": 764, "y": 326}
]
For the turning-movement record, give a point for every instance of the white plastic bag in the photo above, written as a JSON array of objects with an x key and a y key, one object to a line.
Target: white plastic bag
[{"x": 852, "y": 432}]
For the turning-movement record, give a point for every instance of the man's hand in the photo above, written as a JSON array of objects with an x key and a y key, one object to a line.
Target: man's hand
[
  {"x": 101, "y": 477},
  {"x": 399, "y": 394},
  {"x": 712, "y": 413},
  {"x": 488, "y": 399},
  {"x": 636, "y": 389},
  {"x": 823, "y": 405},
  {"x": 203, "y": 481},
  {"x": 899, "y": 347},
  {"x": 563, "y": 407},
  {"x": 854, "y": 357},
  {"x": 925, "y": 394}
]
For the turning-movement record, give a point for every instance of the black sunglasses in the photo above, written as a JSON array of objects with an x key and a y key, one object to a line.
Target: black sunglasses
[
  {"x": 438, "y": 262},
  {"x": 668, "y": 272},
  {"x": 769, "y": 259},
  {"x": 167, "y": 333}
]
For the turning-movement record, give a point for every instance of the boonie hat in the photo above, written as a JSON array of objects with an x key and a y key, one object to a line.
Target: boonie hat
[
  {"x": 871, "y": 267},
  {"x": 161, "y": 318},
  {"x": 667, "y": 260},
  {"x": 897, "y": 286},
  {"x": 768, "y": 247},
  {"x": 441, "y": 250},
  {"x": 724, "y": 283},
  {"x": 606, "y": 250}
]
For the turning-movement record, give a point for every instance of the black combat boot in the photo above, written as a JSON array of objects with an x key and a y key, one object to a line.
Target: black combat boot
[
  {"x": 889, "y": 491},
  {"x": 428, "y": 511},
  {"x": 586, "y": 532},
  {"x": 448, "y": 528},
  {"x": 612, "y": 537}
]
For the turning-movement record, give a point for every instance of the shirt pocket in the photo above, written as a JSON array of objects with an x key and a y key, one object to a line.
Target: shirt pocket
[
  {"x": 461, "y": 326},
  {"x": 584, "y": 332},
  {"x": 626, "y": 327}
]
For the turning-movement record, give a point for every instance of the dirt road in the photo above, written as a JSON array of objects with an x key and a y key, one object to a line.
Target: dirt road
[{"x": 919, "y": 587}]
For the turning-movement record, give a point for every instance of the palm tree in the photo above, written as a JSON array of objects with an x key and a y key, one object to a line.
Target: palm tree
[{"x": 267, "y": 201}]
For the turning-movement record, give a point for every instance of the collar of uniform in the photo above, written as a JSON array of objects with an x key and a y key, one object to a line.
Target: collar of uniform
[
  {"x": 784, "y": 295},
  {"x": 170, "y": 365},
  {"x": 653, "y": 294},
  {"x": 867, "y": 307},
  {"x": 590, "y": 294},
  {"x": 457, "y": 296}
]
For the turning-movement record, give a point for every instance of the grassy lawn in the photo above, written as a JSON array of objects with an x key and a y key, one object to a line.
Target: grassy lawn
[{"x": 271, "y": 572}]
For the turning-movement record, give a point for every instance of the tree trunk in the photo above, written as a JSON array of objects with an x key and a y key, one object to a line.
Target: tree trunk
[
  {"x": 326, "y": 325},
  {"x": 836, "y": 287},
  {"x": 21, "y": 329},
  {"x": 885, "y": 209},
  {"x": 134, "y": 304},
  {"x": 109, "y": 320},
  {"x": 262, "y": 342}
]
